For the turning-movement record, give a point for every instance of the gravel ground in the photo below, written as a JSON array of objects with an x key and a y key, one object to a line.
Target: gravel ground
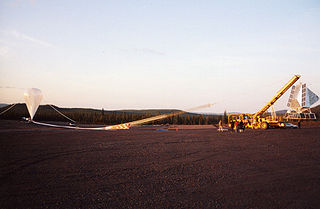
[{"x": 144, "y": 168}]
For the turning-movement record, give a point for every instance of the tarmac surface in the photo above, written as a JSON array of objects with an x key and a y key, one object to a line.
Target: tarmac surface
[{"x": 144, "y": 168}]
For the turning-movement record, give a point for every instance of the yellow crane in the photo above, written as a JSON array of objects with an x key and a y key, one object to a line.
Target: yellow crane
[{"x": 256, "y": 120}]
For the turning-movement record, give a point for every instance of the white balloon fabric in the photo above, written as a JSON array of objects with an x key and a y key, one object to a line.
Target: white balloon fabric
[{"x": 33, "y": 98}]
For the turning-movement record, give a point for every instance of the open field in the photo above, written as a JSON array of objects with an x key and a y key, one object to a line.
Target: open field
[{"x": 143, "y": 168}]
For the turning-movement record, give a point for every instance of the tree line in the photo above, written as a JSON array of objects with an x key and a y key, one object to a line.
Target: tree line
[{"x": 93, "y": 116}]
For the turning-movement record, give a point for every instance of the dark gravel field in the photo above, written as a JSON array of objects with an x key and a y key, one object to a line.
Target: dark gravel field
[{"x": 144, "y": 168}]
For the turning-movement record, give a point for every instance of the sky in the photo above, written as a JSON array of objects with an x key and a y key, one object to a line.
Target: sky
[{"x": 143, "y": 54}]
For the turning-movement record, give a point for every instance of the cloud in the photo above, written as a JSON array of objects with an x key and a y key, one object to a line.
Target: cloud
[
  {"x": 312, "y": 11},
  {"x": 25, "y": 37},
  {"x": 10, "y": 87},
  {"x": 3, "y": 51},
  {"x": 18, "y": 3},
  {"x": 149, "y": 51}
]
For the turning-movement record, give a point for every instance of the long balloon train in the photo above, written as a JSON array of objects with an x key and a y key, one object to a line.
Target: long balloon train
[{"x": 34, "y": 96}]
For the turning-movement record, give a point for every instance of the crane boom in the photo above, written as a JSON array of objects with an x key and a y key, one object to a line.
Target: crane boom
[{"x": 277, "y": 96}]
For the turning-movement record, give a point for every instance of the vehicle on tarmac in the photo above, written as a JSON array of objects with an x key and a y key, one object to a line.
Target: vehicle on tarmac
[{"x": 290, "y": 125}]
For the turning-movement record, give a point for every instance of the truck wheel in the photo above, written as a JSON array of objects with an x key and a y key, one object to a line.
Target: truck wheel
[{"x": 264, "y": 125}]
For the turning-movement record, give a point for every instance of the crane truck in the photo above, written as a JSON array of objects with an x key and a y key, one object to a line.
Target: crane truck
[{"x": 256, "y": 120}]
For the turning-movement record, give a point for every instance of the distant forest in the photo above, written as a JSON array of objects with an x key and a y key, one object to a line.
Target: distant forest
[{"x": 94, "y": 116}]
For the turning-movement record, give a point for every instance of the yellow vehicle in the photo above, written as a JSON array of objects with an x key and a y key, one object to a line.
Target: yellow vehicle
[{"x": 256, "y": 120}]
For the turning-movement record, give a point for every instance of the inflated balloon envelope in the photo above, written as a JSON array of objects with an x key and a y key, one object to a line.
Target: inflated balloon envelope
[{"x": 33, "y": 98}]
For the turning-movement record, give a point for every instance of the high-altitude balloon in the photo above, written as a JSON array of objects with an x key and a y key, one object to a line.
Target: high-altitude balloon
[{"x": 33, "y": 98}]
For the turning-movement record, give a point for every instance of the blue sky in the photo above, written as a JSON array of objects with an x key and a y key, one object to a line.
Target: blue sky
[{"x": 158, "y": 54}]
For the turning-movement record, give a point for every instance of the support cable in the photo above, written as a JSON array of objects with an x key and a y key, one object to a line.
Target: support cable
[
  {"x": 8, "y": 108},
  {"x": 62, "y": 114}
]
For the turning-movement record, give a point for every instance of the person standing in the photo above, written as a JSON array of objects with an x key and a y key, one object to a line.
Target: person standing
[
  {"x": 299, "y": 124},
  {"x": 236, "y": 126},
  {"x": 241, "y": 126},
  {"x": 220, "y": 126},
  {"x": 232, "y": 126}
]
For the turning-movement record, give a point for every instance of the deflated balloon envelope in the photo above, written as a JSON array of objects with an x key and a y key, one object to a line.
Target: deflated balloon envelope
[{"x": 33, "y": 98}]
